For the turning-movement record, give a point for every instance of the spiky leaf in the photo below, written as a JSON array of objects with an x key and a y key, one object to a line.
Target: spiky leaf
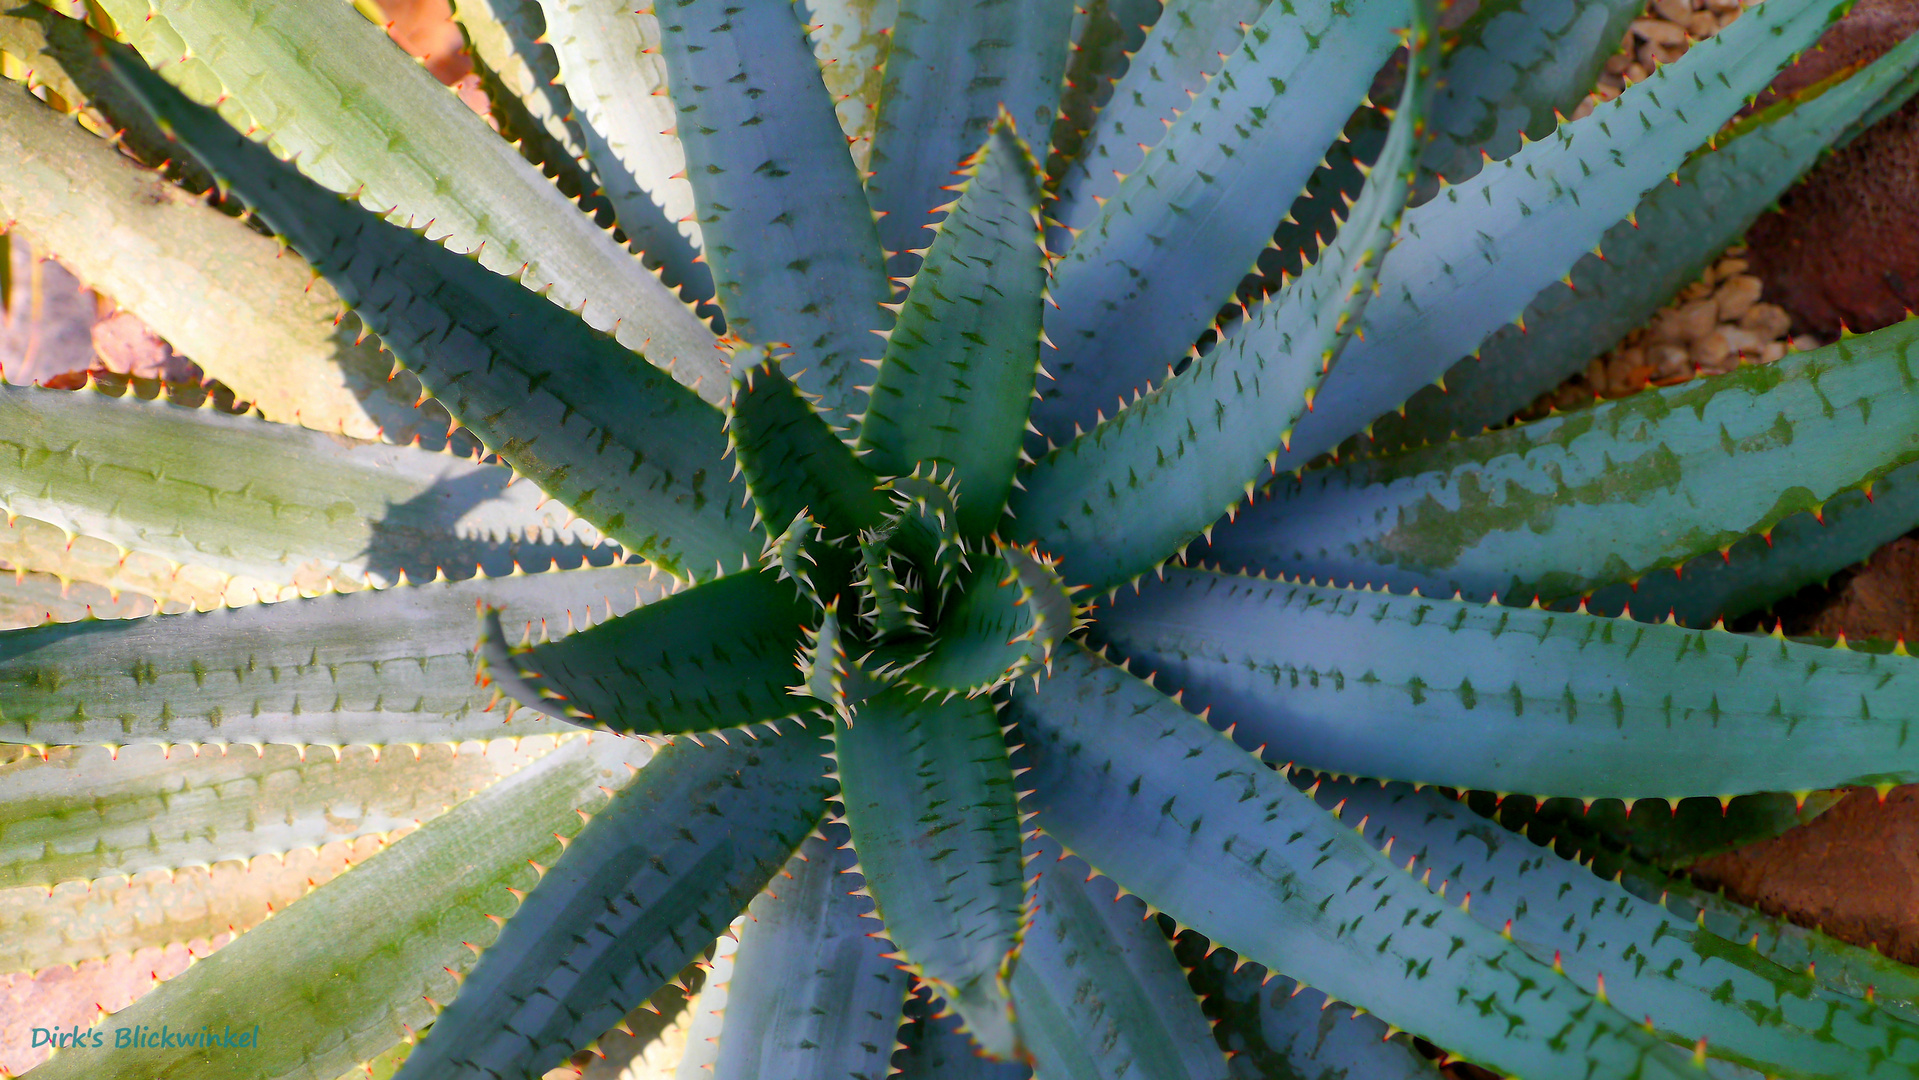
[
  {"x": 609, "y": 57},
  {"x": 718, "y": 655},
  {"x": 1670, "y": 239},
  {"x": 811, "y": 994},
  {"x": 629, "y": 904},
  {"x": 1472, "y": 258},
  {"x": 331, "y": 89},
  {"x": 159, "y": 478},
  {"x": 612, "y": 436},
  {"x": 1693, "y": 983},
  {"x": 394, "y": 666},
  {"x": 1575, "y": 502},
  {"x": 953, "y": 67},
  {"x": 1097, "y": 990},
  {"x": 86, "y": 812},
  {"x": 1146, "y": 792},
  {"x": 331, "y": 999},
  {"x": 1012, "y": 614},
  {"x": 1520, "y": 699},
  {"x": 1193, "y": 446},
  {"x": 1148, "y": 275},
  {"x": 929, "y": 799},
  {"x": 957, "y": 379},
  {"x": 795, "y": 259},
  {"x": 1183, "y": 50},
  {"x": 217, "y": 291}
]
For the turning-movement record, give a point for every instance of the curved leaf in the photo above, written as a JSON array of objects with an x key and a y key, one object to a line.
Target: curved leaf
[
  {"x": 1677, "y": 231},
  {"x": 718, "y": 655},
  {"x": 609, "y": 56},
  {"x": 1581, "y": 500},
  {"x": 811, "y": 994},
  {"x": 1519, "y": 699},
  {"x": 1005, "y": 626},
  {"x": 159, "y": 478},
  {"x": 1098, "y": 993},
  {"x": 792, "y": 459},
  {"x": 1194, "y": 446},
  {"x": 1106, "y": 34},
  {"x": 613, "y": 437},
  {"x": 362, "y": 117},
  {"x": 1806, "y": 548},
  {"x": 1149, "y": 795},
  {"x": 519, "y": 75},
  {"x": 217, "y": 291},
  {"x": 1667, "y": 835},
  {"x": 788, "y": 234},
  {"x": 75, "y": 815},
  {"x": 1837, "y": 966},
  {"x": 929, "y": 799},
  {"x": 957, "y": 379},
  {"x": 1513, "y": 66},
  {"x": 1183, "y": 50},
  {"x": 934, "y": 1048},
  {"x": 953, "y": 67},
  {"x": 394, "y": 666},
  {"x": 629, "y": 904},
  {"x": 1691, "y": 982},
  {"x": 1130, "y": 302},
  {"x": 1272, "y": 1029},
  {"x": 1470, "y": 260},
  {"x": 326, "y": 999}
]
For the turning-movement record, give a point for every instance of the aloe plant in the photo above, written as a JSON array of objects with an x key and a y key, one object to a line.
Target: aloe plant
[{"x": 956, "y": 576}]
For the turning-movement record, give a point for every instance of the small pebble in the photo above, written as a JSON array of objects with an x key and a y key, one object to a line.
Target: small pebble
[
  {"x": 1736, "y": 297},
  {"x": 1659, "y": 32}
]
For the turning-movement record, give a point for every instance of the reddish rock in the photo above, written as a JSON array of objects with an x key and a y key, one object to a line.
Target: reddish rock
[{"x": 1843, "y": 248}]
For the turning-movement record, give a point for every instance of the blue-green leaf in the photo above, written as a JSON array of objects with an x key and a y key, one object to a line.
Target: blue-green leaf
[
  {"x": 1119, "y": 499},
  {"x": 717, "y": 655},
  {"x": 812, "y": 994},
  {"x": 952, "y": 68},
  {"x": 348, "y": 970},
  {"x": 1148, "y": 275},
  {"x": 793, "y": 461},
  {"x": 394, "y": 666},
  {"x": 1670, "y": 239},
  {"x": 608, "y": 434},
  {"x": 1149, "y": 795},
  {"x": 795, "y": 258},
  {"x": 630, "y": 903},
  {"x": 1512, "y": 67},
  {"x": 1470, "y": 260},
  {"x": 1519, "y": 699},
  {"x": 331, "y": 90},
  {"x": 1004, "y": 626},
  {"x": 1692, "y": 983},
  {"x": 1806, "y": 548},
  {"x": 936, "y": 1049},
  {"x": 1601, "y": 496},
  {"x": 1273, "y": 1029},
  {"x": 1185, "y": 47},
  {"x": 957, "y": 380},
  {"x": 1097, "y": 991},
  {"x": 929, "y": 799}
]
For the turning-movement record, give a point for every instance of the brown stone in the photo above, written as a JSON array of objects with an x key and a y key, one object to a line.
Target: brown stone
[
  {"x": 1736, "y": 296},
  {"x": 1659, "y": 32},
  {"x": 1843, "y": 248},
  {"x": 1766, "y": 321}
]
